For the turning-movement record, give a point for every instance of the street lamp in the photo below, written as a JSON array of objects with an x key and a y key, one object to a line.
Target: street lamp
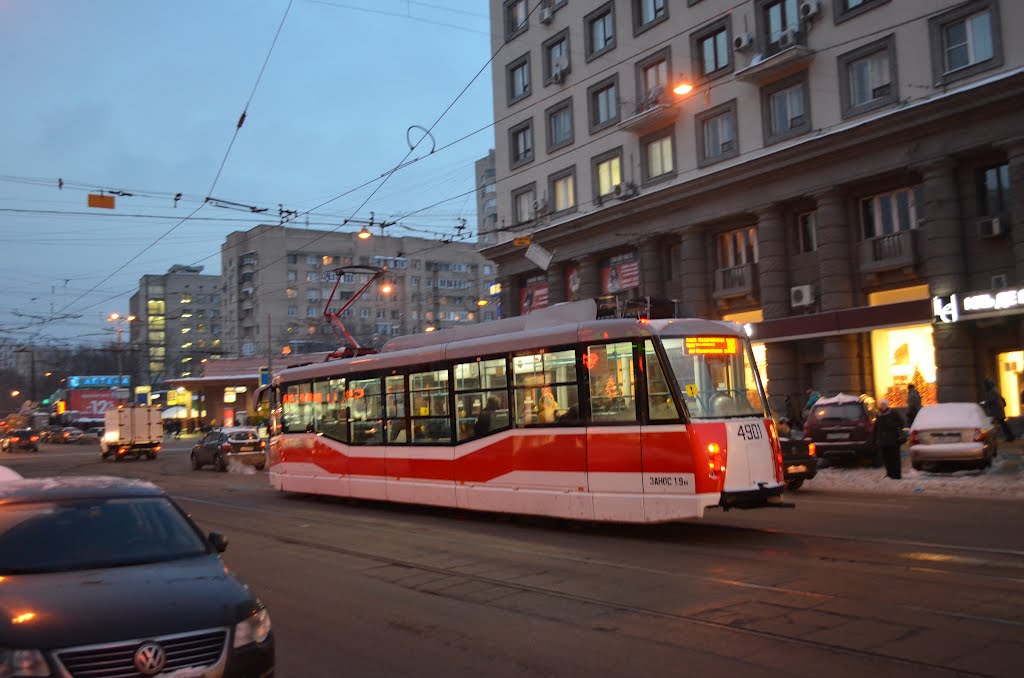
[
  {"x": 119, "y": 319},
  {"x": 15, "y": 394}
]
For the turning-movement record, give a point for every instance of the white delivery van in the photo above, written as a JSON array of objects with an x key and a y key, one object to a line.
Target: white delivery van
[{"x": 133, "y": 430}]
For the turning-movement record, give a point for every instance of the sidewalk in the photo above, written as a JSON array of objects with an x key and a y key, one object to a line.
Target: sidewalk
[{"x": 1003, "y": 480}]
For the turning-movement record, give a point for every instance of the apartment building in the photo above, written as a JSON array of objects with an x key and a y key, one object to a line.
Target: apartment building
[
  {"x": 278, "y": 279},
  {"x": 847, "y": 176},
  {"x": 177, "y": 324},
  {"x": 486, "y": 201}
]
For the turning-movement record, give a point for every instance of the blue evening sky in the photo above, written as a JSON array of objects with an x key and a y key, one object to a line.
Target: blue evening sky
[{"x": 143, "y": 96}]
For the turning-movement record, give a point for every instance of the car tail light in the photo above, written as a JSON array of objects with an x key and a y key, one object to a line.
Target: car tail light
[
  {"x": 979, "y": 436},
  {"x": 226, "y": 447},
  {"x": 34, "y": 438},
  {"x": 156, "y": 449},
  {"x": 15, "y": 439},
  {"x": 914, "y": 440},
  {"x": 812, "y": 449},
  {"x": 263, "y": 444}
]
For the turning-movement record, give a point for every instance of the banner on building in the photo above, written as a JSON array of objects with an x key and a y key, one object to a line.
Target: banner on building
[
  {"x": 572, "y": 282},
  {"x": 621, "y": 272},
  {"x": 91, "y": 402},
  {"x": 534, "y": 294}
]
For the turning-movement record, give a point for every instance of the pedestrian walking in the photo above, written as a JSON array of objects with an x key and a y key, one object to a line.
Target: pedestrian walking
[
  {"x": 995, "y": 408},
  {"x": 913, "y": 404},
  {"x": 812, "y": 397},
  {"x": 888, "y": 431}
]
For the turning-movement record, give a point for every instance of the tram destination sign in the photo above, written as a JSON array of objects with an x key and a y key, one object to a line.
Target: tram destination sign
[{"x": 711, "y": 345}]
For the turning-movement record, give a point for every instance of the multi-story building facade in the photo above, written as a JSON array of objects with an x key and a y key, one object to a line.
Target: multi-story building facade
[
  {"x": 486, "y": 201},
  {"x": 284, "y": 276},
  {"x": 845, "y": 175},
  {"x": 177, "y": 324}
]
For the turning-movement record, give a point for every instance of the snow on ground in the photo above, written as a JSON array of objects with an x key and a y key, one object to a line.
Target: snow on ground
[{"x": 1004, "y": 480}]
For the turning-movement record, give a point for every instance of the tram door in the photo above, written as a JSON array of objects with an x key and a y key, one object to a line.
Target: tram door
[{"x": 614, "y": 441}]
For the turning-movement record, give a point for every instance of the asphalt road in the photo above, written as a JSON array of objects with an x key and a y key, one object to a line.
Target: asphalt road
[{"x": 843, "y": 585}]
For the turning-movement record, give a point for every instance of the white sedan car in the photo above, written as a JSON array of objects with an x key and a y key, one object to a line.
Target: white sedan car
[{"x": 959, "y": 433}]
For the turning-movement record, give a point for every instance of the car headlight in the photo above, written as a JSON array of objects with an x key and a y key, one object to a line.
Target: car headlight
[
  {"x": 23, "y": 663},
  {"x": 253, "y": 629}
]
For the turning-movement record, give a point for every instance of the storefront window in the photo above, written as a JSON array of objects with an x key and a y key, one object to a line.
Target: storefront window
[
  {"x": 1011, "y": 381},
  {"x": 903, "y": 356}
]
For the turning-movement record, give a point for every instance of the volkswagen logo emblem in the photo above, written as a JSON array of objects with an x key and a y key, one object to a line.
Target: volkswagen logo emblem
[{"x": 150, "y": 659}]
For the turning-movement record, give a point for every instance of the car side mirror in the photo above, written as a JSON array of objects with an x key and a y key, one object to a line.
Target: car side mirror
[{"x": 218, "y": 541}]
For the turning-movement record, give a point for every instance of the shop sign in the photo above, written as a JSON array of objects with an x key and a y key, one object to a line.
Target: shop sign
[
  {"x": 97, "y": 381},
  {"x": 954, "y": 307},
  {"x": 621, "y": 272},
  {"x": 534, "y": 294},
  {"x": 572, "y": 282}
]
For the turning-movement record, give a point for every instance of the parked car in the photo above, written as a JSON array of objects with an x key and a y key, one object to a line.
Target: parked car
[
  {"x": 957, "y": 433},
  {"x": 107, "y": 576},
  {"x": 20, "y": 439},
  {"x": 50, "y": 434},
  {"x": 841, "y": 427},
  {"x": 69, "y": 435},
  {"x": 799, "y": 456},
  {"x": 222, "y": 445},
  {"x": 90, "y": 436}
]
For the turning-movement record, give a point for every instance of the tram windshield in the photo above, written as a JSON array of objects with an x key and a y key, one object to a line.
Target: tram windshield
[{"x": 717, "y": 376}]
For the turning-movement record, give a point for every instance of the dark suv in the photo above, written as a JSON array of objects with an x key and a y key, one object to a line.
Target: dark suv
[
  {"x": 841, "y": 428},
  {"x": 21, "y": 439}
]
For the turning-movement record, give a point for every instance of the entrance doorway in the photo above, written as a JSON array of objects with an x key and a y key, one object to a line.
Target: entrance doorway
[{"x": 1011, "y": 380}]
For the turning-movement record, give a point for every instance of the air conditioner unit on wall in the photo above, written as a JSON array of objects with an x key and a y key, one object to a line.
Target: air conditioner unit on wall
[
  {"x": 810, "y": 9},
  {"x": 990, "y": 227},
  {"x": 546, "y": 15},
  {"x": 742, "y": 42},
  {"x": 1000, "y": 281},
  {"x": 788, "y": 38},
  {"x": 801, "y": 295}
]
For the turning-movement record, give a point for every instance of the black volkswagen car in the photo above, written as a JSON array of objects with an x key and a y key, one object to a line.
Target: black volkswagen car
[{"x": 104, "y": 577}]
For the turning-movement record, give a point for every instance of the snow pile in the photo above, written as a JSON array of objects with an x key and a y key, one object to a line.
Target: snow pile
[{"x": 1004, "y": 480}]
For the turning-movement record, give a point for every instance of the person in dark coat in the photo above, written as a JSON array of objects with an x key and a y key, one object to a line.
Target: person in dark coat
[
  {"x": 995, "y": 407},
  {"x": 484, "y": 422},
  {"x": 913, "y": 404},
  {"x": 888, "y": 430}
]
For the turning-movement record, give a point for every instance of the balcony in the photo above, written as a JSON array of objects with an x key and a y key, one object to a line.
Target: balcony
[
  {"x": 890, "y": 252},
  {"x": 735, "y": 281},
  {"x": 785, "y": 56},
  {"x": 654, "y": 112}
]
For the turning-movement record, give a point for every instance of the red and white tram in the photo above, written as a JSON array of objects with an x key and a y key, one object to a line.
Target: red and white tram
[{"x": 555, "y": 413}]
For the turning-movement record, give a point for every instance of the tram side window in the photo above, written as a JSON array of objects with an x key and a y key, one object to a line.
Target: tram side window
[
  {"x": 546, "y": 388},
  {"x": 333, "y": 419},
  {"x": 363, "y": 397},
  {"x": 297, "y": 408},
  {"x": 428, "y": 400},
  {"x": 481, "y": 398},
  {"x": 660, "y": 404},
  {"x": 612, "y": 382},
  {"x": 395, "y": 410}
]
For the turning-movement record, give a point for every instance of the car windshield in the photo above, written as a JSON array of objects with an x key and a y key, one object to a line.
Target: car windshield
[
  {"x": 84, "y": 534},
  {"x": 243, "y": 436},
  {"x": 716, "y": 376},
  {"x": 838, "y": 412}
]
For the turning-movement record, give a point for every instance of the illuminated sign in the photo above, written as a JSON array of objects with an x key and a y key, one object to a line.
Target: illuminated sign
[
  {"x": 712, "y": 345},
  {"x": 950, "y": 309},
  {"x": 99, "y": 381}
]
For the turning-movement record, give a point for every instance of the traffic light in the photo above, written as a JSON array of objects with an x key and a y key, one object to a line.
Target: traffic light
[{"x": 46, "y": 401}]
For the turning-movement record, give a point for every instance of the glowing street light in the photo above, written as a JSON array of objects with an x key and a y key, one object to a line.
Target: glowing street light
[
  {"x": 364, "y": 233},
  {"x": 683, "y": 88},
  {"x": 429, "y": 328},
  {"x": 481, "y": 302},
  {"x": 386, "y": 288},
  {"x": 15, "y": 394}
]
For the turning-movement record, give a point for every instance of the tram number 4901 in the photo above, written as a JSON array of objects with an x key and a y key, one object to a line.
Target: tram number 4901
[{"x": 750, "y": 431}]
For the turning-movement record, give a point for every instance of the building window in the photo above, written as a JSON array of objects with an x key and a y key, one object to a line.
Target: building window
[
  {"x": 777, "y": 17},
  {"x": 717, "y": 134},
  {"x": 600, "y": 28},
  {"x": 868, "y": 77},
  {"x": 648, "y": 13},
  {"x": 516, "y": 18},
  {"x": 559, "y": 125},
  {"x": 652, "y": 79},
  {"x": 607, "y": 172},
  {"x": 604, "y": 103},
  {"x": 556, "y": 57},
  {"x": 888, "y": 213},
  {"x": 994, "y": 191},
  {"x": 518, "y": 75},
  {"x": 520, "y": 140},
  {"x": 965, "y": 41},
  {"x": 293, "y": 310},
  {"x": 786, "y": 109},
  {"x": 562, "y": 190},
  {"x": 807, "y": 239},
  {"x": 737, "y": 248},
  {"x": 522, "y": 204},
  {"x": 712, "y": 49},
  {"x": 293, "y": 276},
  {"x": 846, "y": 9},
  {"x": 658, "y": 156}
]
